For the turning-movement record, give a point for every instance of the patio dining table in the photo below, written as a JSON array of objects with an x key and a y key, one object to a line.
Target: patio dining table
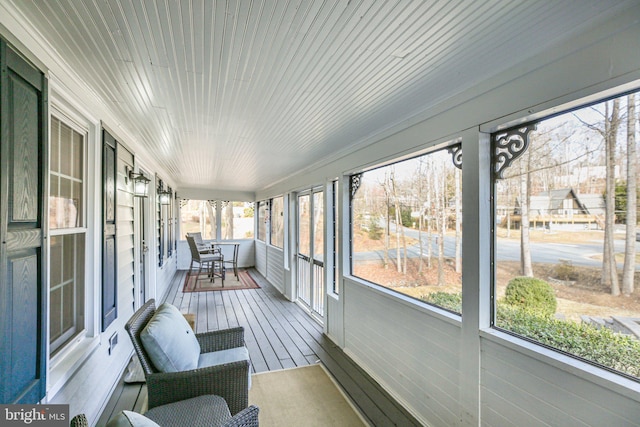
[{"x": 234, "y": 259}]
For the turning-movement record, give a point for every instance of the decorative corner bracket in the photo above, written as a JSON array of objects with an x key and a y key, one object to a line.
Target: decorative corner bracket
[
  {"x": 456, "y": 154},
  {"x": 354, "y": 183},
  {"x": 508, "y": 146}
]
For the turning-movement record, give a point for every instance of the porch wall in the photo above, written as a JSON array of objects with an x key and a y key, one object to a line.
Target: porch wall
[
  {"x": 270, "y": 263},
  {"x": 449, "y": 370}
]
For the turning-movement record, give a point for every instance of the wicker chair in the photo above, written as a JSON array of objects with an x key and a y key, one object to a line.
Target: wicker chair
[
  {"x": 230, "y": 380},
  {"x": 205, "y": 411}
]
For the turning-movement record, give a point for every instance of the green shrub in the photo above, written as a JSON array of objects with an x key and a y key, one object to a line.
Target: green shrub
[
  {"x": 601, "y": 345},
  {"x": 531, "y": 294},
  {"x": 375, "y": 231},
  {"x": 452, "y": 302}
]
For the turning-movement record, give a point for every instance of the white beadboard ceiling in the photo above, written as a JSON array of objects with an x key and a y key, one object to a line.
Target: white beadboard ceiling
[{"x": 239, "y": 94}]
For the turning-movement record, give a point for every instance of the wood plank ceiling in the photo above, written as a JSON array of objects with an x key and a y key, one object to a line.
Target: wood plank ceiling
[{"x": 239, "y": 94}]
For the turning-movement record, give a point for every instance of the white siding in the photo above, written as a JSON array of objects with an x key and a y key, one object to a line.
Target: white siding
[
  {"x": 334, "y": 326},
  {"x": 261, "y": 257},
  {"x": 275, "y": 267},
  {"x": 527, "y": 391},
  {"x": 415, "y": 355}
]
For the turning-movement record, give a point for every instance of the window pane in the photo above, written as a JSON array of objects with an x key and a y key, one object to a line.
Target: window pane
[
  {"x": 237, "y": 220},
  {"x": 55, "y": 145},
  {"x": 227, "y": 221},
  {"x": 78, "y": 156},
  {"x": 66, "y": 279},
  {"x": 318, "y": 226},
  {"x": 66, "y": 195},
  {"x": 198, "y": 216},
  {"x": 66, "y": 201},
  {"x": 66, "y": 153},
  {"x": 405, "y": 227},
  {"x": 277, "y": 222},
  {"x": 262, "y": 221},
  {"x": 565, "y": 207},
  {"x": 304, "y": 219}
]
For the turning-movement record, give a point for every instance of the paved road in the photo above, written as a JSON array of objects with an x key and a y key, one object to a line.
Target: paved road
[{"x": 509, "y": 250}]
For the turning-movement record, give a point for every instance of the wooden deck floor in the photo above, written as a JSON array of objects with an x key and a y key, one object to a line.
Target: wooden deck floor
[{"x": 279, "y": 334}]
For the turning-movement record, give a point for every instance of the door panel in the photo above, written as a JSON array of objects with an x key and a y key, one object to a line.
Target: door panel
[
  {"x": 310, "y": 256},
  {"x": 23, "y": 298}
]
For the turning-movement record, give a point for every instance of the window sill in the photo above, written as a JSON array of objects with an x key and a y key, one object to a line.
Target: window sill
[
  {"x": 573, "y": 366},
  {"x": 432, "y": 310},
  {"x": 63, "y": 365}
]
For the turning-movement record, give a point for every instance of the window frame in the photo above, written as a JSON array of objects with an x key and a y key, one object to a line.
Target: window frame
[
  {"x": 262, "y": 219},
  {"x": 66, "y": 340},
  {"x": 514, "y": 340},
  {"x": 454, "y": 147},
  {"x": 271, "y": 222}
]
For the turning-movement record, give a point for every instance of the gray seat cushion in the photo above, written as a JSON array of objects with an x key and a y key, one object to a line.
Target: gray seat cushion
[
  {"x": 206, "y": 410},
  {"x": 170, "y": 342},
  {"x": 225, "y": 356}
]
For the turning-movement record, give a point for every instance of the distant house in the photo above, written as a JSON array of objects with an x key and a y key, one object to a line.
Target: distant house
[{"x": 563, "y": 208}]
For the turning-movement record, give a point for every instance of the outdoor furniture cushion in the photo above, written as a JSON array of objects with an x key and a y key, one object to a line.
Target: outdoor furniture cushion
[
  {"x": 170, "y": 341},
  {"x": 130, "y": 419},
  {"x": 225, "y": 356},
  {"x": 207, "y": 410}
]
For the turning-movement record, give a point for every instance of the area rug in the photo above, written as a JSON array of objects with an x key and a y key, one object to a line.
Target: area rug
[
  {"x": 305, "y": 396},
  {"x": 203, "y": 284}
]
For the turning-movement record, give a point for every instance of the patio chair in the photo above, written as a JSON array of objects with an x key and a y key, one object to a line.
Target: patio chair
[
  {"x": 205, "y": 411},
  {"x": 203, "y": 247},
  {"x": 164, "y": 343},
  {"x": 214, "y": 263}
]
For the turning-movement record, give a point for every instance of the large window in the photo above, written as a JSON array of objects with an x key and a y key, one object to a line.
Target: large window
[
  {"x": 263, "y": 220},
  {"x": 405, "y": 227},
  {"x": 237, "y": 220},
  {"x": 277, "y": 221},
  {"x": 198, "y": 216},
  {"x": 67, "y": 243},
  {"x": 566, "y": 261}
]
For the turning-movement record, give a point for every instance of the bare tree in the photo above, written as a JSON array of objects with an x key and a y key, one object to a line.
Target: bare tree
[
  {"x": 387, "y": 232},
  {"x": 458, "y": 216},
  {"x": 401, "y": 262},
  {"x": 420, "y": 208},
  {"x": 211, "y": 215},
  {"x": 628, "y": 271},
  {"x": 525, "y": 197},
  {"x": 228, "y": 216},
  {"x": 609, "y": 271},
  {"x": 441, "y": 219}
]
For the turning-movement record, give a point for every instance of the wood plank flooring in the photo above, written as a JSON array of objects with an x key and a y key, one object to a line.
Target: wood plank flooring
[{"x": 279, "y": 334}]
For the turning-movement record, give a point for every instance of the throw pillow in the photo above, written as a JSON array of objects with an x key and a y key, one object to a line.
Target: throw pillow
[{"x": 170, "y": 342}]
